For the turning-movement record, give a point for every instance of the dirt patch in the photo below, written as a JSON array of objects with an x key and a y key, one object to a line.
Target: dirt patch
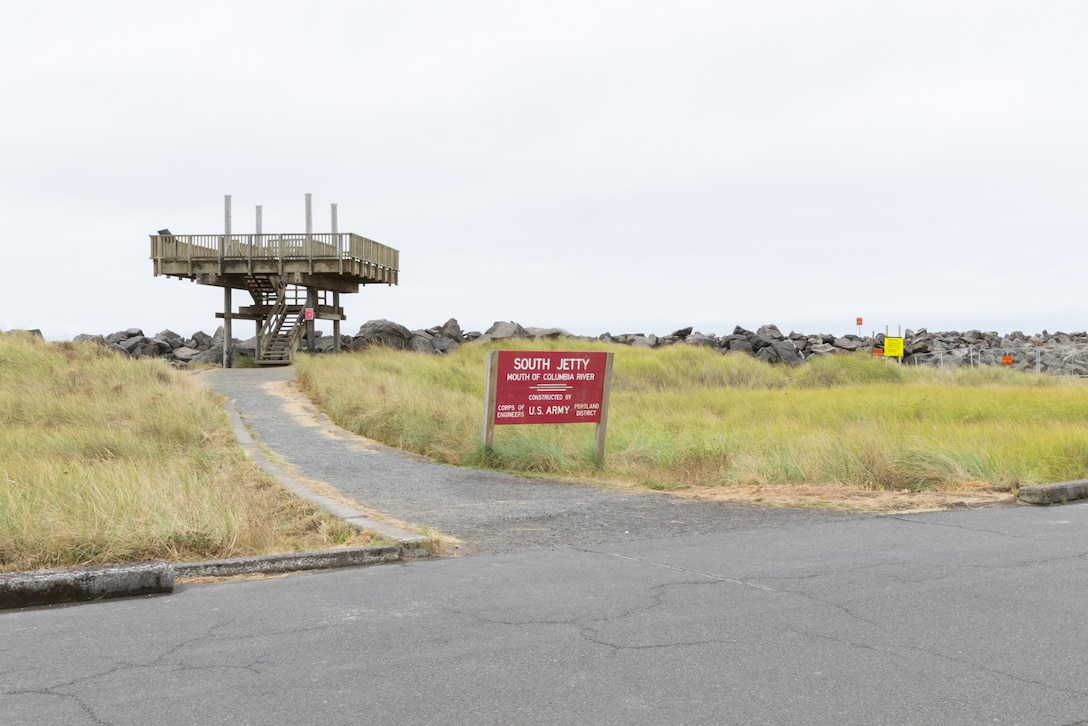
[
  {"x": 302, "y": 412},
  {"x": 832, "y": 496}
]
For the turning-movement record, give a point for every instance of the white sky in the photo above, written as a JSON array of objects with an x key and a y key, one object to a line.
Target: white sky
[{"x": 598, "y": 166}]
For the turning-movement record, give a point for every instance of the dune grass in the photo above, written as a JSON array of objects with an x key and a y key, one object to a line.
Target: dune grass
[
  {"x": 689, "y": 418},
  {"x": 107, "y": 459}
]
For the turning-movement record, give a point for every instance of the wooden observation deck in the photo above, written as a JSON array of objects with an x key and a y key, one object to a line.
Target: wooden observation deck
[{"x": 285, "y": 274}]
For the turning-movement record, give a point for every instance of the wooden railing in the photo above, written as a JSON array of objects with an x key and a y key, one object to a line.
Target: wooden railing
[{"x": 318, "y": 246}]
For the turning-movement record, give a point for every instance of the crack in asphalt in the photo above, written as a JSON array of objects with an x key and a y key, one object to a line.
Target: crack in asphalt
[
  {"x": 753, "y": 585},
  {"x": 927, "y": 523},
  {"x": 900, "y": 650},
  {"x": 592, "y": 634},
  {"x": 65, "y": 696},
  {"x": 708, "y": 575},
  {"x": 161, "y": 661},
  {"x": 993, "y": 671}
]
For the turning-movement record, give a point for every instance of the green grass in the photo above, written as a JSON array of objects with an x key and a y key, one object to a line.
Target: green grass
[
  {"x": 687, "y": 417},
  {"x": 107, "y": 459}
]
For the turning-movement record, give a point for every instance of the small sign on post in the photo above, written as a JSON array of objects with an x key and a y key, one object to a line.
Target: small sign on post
[
  {"x": 309, "y": 312},
  {"x": 542, "y": 387}
]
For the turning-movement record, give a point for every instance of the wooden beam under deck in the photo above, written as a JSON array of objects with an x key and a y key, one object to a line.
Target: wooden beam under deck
[
  {"x": 260, "y": 312},
  {"x": 238, "y": 282}
]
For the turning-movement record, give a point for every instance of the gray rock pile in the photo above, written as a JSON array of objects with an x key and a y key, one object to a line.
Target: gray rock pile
[
  {"x": 1055, "y": 353},
  {"x": 167, "y": 344}
]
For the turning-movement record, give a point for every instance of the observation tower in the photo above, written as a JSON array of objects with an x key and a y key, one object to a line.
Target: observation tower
[{"x": 292, "y": 278}]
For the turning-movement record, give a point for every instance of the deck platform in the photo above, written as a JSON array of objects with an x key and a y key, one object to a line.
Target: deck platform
[{"x": 328, "y": 261}]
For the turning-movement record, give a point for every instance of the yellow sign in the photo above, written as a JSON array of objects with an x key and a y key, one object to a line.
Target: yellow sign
[{"x": 893, "y": 347}]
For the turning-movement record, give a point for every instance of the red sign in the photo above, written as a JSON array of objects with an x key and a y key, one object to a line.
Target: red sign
[
  {"x": 858, "y": 322},
  {"x": 309, "y": 313},
  {"x": 538, "y": 387}
]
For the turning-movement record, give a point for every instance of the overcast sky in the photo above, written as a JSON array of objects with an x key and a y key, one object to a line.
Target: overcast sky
[{"x": 598, "y": 166}]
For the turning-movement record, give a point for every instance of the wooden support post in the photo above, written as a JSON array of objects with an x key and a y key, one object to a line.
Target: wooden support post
[
  {"x": 311, "y": 302},
  {"x": 226, "y": 231},
  {"x": 226, "y": 327},
  {"x": 259, "y": 226},
  {"x": 490, "y": 389},
  {"x": 336, "y": 322},
  {"x": 336, "y": 238},
  {"x": 602, "y": 424},
  {"x": 310, "y": 232},
  {"x": 335, "y": 294},
  {"x": 226, "y": 288}
]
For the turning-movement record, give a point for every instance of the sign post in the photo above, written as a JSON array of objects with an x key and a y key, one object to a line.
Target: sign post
[
  {"x": 893, "y": 347},
  {"x": 545, "y": 387}
]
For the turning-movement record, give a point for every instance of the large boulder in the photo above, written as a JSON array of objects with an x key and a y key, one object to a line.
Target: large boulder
[
  {"x": 642, "y": 341},
  {"x": 385, "y": 333},
  {"x": 213, "y": 355},
  {"x": 787, "y": 352},
  {"x": 768, "y": 353},
  {"x": 770, "y": 332},
  {"x": 849, "y": 343},
  {"x": 451, "y": 329},
  {"x": 247, "y": 347},
  {"x": 737, "y": 344},
  {"x": 759, "y": 342},
  {"x": 131, "y": 344},
  {"x": 680, "y": 334},
  {"x": 444, "y": 345},
  {"x": 420, "y": 341},
  {"x": 502, "y": 329},
  {"x": 549, "y": 333},
  {"x": 707, "y": 341},
  {"x": 185, "y": 354}
]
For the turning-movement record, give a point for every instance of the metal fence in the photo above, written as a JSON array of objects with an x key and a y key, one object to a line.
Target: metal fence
[{"x": 1066, "y": 360}]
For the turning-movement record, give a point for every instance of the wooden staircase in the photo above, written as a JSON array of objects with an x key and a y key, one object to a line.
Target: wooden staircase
[{"x": 282, "y": 329}]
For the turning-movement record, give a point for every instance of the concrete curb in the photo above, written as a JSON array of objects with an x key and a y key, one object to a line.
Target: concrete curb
[
  {"x": 1059, "y": 493},
  {"x": 83, "y": 584},
  {"x": 292, "y": 562},
  {"x": 412, "y": 544},
  {"x": 80, "y": 584}
]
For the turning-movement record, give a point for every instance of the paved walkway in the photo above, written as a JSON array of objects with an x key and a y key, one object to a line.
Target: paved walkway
[{"x": 485, "y": 512}]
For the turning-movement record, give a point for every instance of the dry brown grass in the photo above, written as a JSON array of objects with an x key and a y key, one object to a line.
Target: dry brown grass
[{"x": 106, "y": 459}]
